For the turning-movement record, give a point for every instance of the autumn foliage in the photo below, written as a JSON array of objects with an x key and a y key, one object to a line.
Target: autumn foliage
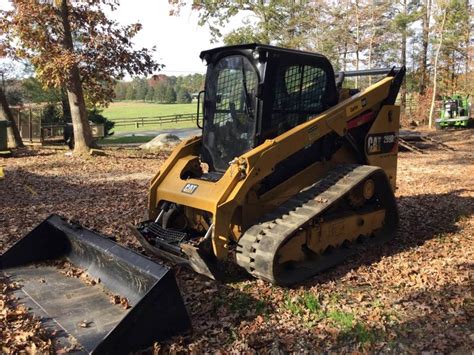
[
  {"x": 103, "y": 49},
  {"x": 411, "y": 295}
]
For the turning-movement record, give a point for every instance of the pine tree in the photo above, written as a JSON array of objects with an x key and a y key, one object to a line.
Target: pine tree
[
  {"x": 141, "y": 88},
  {"x": 160, "y": 92},
  {"x": 183, "y": 96},
  {"x": 130, "y": 93},
  {"x": 150, "y": 94},
  {"x": 120, "y": 90},
  {"x": 170, "y": 95}
]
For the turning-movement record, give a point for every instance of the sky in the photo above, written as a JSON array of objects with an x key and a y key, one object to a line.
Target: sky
[{"x": 178, "y": 39}]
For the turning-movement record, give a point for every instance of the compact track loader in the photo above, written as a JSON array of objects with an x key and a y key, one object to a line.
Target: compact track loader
[
  {"x": 290, "y": 171},
  {"x": 291, "y": 168}
]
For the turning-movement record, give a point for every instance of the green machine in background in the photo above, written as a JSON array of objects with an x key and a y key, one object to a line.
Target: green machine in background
[{"x": 455, "y": 112}]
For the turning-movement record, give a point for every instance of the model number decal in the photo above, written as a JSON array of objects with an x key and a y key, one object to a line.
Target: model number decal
[
  {"x": 380, "y": 143},
  {"x": 189, "y": 188}
]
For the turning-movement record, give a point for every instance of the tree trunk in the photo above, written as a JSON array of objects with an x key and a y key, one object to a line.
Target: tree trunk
[
  {"x": 424, "y": 45},
  {"x": 403, "y": 91},
  {"x": 357, "y": 40},
  {"x": 13, "y": 135},
  {"x": 468, "y": 47},
  {"x": 65, "y": 106},
  {"x": 430, "y": 121},
  {"x": 344, "y": 57},
  {"x": 371, "y": 40},
  {"x": 371, "y": 43},
  {"x": 83, "y": 140},
  {"x": 261, "y": 12},
  {"x": 453, "y": 75}
]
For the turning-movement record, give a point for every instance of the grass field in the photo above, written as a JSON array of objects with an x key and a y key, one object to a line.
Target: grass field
[{"x": 137, "y": 109}]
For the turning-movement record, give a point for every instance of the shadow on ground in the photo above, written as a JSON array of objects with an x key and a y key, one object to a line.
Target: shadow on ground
[
  {"x": 106, "y": 207},
  {"x": 215, "y": 308},
  {"x": 422, "y": 217}
]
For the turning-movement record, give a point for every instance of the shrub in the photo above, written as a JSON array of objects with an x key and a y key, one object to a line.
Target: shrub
[
  {"x": 95, "y": 115},
  {"x": 184, "y": 97},
  {"x": 52, "y": 114}
]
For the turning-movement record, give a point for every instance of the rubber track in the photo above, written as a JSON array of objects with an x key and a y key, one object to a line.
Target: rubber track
[{"x": 257, "y": 248}]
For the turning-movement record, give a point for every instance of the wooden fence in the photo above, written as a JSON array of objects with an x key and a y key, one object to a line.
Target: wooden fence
[
  {"x": 29, "y": 120},
  {"x": 143, "y": 121}
]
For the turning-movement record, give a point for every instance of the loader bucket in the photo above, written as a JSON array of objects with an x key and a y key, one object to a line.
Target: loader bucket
[{"x": 83, "y": 314}]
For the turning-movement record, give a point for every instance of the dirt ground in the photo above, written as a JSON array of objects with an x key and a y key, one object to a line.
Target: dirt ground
[{"x": 413, "y": 294}]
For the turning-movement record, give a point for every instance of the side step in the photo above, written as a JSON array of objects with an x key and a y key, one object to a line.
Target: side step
[{"x": 82, "y": 314}]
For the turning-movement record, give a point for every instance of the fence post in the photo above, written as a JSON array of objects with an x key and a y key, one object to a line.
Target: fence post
[
  {"x": 19, "y": 121},
  {"x": 30, "y": 124}
]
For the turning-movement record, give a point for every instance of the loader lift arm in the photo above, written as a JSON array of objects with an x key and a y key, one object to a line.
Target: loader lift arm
[{"x": 261, "y": 161}]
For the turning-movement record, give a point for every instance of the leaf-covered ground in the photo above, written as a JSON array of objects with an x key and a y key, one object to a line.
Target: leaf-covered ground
[{"x": 412, "y": 294}]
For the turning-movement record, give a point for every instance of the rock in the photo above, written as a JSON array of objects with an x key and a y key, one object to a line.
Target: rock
[
  {"x": 97, "y": 152},
  {"x": 161, "y": 140}
]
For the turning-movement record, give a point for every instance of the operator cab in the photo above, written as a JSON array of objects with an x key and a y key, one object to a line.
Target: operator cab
[{"x": 256, "y": 92}]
